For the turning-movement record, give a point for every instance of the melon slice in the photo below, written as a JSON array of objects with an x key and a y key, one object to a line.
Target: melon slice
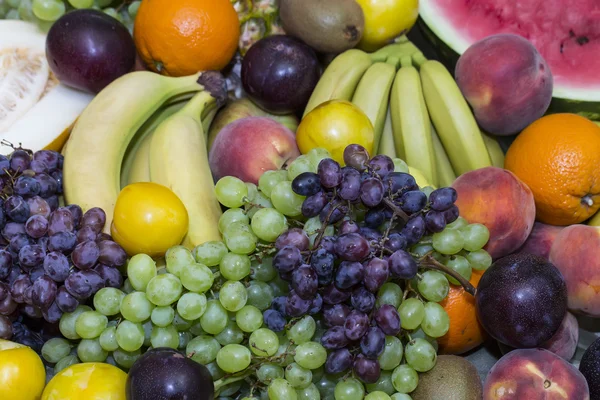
[
  {"x": 565, "y": 32},
  {"x": 36, "y": 111}
]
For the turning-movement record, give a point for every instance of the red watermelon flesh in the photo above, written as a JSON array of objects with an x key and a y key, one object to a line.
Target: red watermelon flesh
[{"x": 565, "y": 32}]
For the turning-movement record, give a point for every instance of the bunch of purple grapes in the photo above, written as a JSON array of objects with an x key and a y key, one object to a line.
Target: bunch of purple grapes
[
  {"x": 378, "y": 215},
  {"x": 52, "y": 258}
]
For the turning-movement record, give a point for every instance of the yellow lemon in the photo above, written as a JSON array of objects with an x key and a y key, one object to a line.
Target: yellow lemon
[
  {"x": 386, "y": 20},
  {"x": 22, "y": 373},
  {"x": 87, "y": 381},
  {"x": 334, "y": 125}
]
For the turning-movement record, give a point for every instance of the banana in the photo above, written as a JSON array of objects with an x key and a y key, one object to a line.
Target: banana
[
  {"x": 340, "y": 78},
  {"x": 101, "y": 135},
  {"x": 595, "y": 220},
  {"x": 452, "y": 118},
  {"x": 494, "y": 150},
  {"x": 420, "y": 177},
  {"x": 410, "y": 121},
  {"x": 372, "y": 96},
  {"x": 386, "y": 144},
  {"x": 445, "y": 173},
  {"x": 179, "y": 160}
]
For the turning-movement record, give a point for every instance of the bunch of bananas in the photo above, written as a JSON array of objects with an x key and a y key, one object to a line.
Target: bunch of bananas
[
  {"x": 416, "y": 108},
  {"x": 145, "y": 127}
]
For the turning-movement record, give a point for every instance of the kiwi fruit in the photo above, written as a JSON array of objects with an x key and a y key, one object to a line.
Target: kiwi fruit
[
  {"x": 328, "y": 26},
  {"x": 452, "y": 378}
]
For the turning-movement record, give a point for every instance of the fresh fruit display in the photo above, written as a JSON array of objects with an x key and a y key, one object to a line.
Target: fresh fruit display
[{"x": 22, "y": 373}]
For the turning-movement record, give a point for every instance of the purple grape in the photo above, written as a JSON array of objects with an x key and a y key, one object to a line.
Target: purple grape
[
  {"x": 36, "y": 226},
  {"x": 64, "y": 242},
  {"x": 348, "y": 274},
  {"x": 85, "y": 255},
  {"x": 31, "y": 311},
  {"x": 7, "y": 304},
  {"x": 111, "y": 275},
  {"x": 352, "y": 247},
  {"x": 373, "y": 343},
  {"x": 334, "y": 211},
  {"x": 27, "y": 186},
  {"x": 287, "y": 259},
  {"x": 323, "y": 262},
  {"x": 356, "y": 325},
  {"x": 6, "y": 264},
  {"x": 348, "y": 226},
  {"x": 381, "y": 164},
  {"x": 451, "y": 214},
  {"x": 52, "y": 202},
  {"x": 83, "y": 284},
  {"x": 17, "y": 209},
  {"x": 43, "y": 292},
  {"x": 295, "y": 237},
  {"x": 356, "y": 156},
  {"x": 65, "y": 301},
  {"x": 43, "y": 243},
  {"x": 296, "y": 306},
  {"x": 313, "y": 205},
  {"x": 329, "y": 172},
  {"x": 19, "y": 287},
  {"x": 443, "y": 198},
  {"x": 38, "y": 167},
  {"x": 6, "y": 328},
  {"x": 286, "y": 276},
  {"x": 48, "y": 157},
  {"x": 338, "y": 361},
  {"x": 335, "y": 315},
  {"x": 350, "y": 186},
  {"x": 18, "y": 241},
  {"x": 61, "y": 220},
  {"x": 111, "y": 253},
  {"x": 435, "y": 221},
  {"x": 278, "y": 304},
  {"x": 31, "y": 255},
  {"x": 395, "y": 241},
  {"x": 76, "y": 213},
  {"x": 94, "y": 217},
  {"x": 413, "y": 201},
  {"x": 274, "y": 320},
  {"x": 14, "y": 274},
  {"x": 103, "y": 237},
  {"x": 377, "y": 272},
  {"x": 56, "y": 266},
  {"x": 328, "y": 244},
  {"x": 48, "y": 185},
  {"x": 38, "y": 206},
  {"x": 374, "y": 218},
  {"x": 53, "y": 313},
  {"x": 316, "y": 305},
  {"x": 367, "y": 370},
  {"x": 402, "y": 265},
  {"x": 19, "y": 160},
  {"x": 28, "y": 294},
  {"x": 306, "y": 184},
  {"x": 332, "y": 295},
  {"x": 334, "y": 338},
  {"x": 36, "y": 273},
  {"x": 388, "y": 319},
  {"x": 4, "y": 165},
  {"x": 414, "y": 229},
  {"x": 399, "y": 182},
  {"x": 370, "y": 234},
  {"x": 362, "y": 299},
  {"x": 58, "y": 177},
  {"x": 86, "y": 233},
  {"x": 11, "y": 229},
  {"x": 371, "y": 192},
  {"x": 305, "y": 282}
]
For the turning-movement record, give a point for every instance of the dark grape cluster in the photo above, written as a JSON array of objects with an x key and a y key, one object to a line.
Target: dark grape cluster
[
  {"x": 378, "y": 214},
  {"x": 52, "y": 258}
]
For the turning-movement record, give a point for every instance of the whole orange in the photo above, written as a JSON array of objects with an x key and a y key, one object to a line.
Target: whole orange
[
  {"x": 182, "y": 37},
  {"x": 558, "y": 157},
  {"x": 465, "y": 331}
]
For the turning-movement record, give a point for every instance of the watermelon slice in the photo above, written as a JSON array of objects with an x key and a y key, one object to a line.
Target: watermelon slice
[{"x": 566, "y": 33}]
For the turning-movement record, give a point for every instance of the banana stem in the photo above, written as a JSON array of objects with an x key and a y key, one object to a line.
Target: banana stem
[
  {"x": 394, "y": 61},
  {"x": 419, "y": 59},
  {"x": 395, "y": 49},
  {"x": 406, "y": 62}
]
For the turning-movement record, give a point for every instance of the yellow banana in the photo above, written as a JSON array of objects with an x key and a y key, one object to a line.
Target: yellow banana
[
  {"x": 101, "y": 135},
  {"x": 494, "y": 150},
  {"x": 386, "y": 144},
  {"x": 445, "y": 173},
  {"x": 595, "y": 220},
  {"x": 420, "y": 177},
  {"x": 340, "y": 78}
]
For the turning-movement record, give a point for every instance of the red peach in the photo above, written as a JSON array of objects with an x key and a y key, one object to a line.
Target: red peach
[{"x": 540, "y": 240}]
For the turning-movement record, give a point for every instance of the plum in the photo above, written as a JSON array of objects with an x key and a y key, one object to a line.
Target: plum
[{"x": 590, "y": 368}]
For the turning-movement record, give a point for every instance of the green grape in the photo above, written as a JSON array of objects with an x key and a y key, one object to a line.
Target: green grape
[
  {"x": 68, "y": 321},
  {"x": 249, "y": 318},
  {"x": 13, "y": 3},
  {"x": 162, "y": 316},
  {"x": 56, "y": 349},
  {"x": 203, "y": 349},
  {"x": 479, "y": 260},
  {"x": 13, "y": 14},
  {"x": 268, "y": 372},
  {"x": 147, "y": 333},
  {"x": 461, "y": 265},
  {"x": 90, "y": 324},
  {"x": 449, "y": 241},
  {"x": 383, "y": 384},
  {"x": 215, "y": 318},
  {"x": 130, "y": 335},
  {"x": 127, "y": 288},
  {"x": 392, "y": 353},
  {"x": 308, "y": 393},
  {"x": 233, "y": 296},
  {"x": 297, "y": 376},
  {"x": 389, "y": 293},
  {"x": 191, "y": 306},
  {"x": 231, "y": 334},
  {"x": 235, "y": 267},
  {"x": 269, "y": 179},
  {"x": 108, "y": 300},
  {"x": 260, "y": 295},
  {"x": 377, "y": 395},
  {"x": 126, "y": 359},
  {"x": 210, "y": 253},
  {"x": 165, "y": 337},
  {"x": 65, "y": 362},
  {"x": 401, "y": 396},
  {"x": 263, "y": 270},
  {"x": 180, "y": 323},
  {"x": 177, "y": 258},
  {"x": 318, "y": 373},
  {"x": 317, "y": 155},
  {"x": 422, "y": 249},
  {"x": 303, "y": 330},
  {"x": 81, "y": 3},
  {"x": 108, "y": 339},
  {"x": 310, "y": 355},
  {"x": 301, "y": 164},
  {"x": 233, "y": 358},
  {"x": 280, "y": 389},
  {"x": 196, "y": 328},
  {"x": 133, "y": 8},
  {"x": 411, "y": 313},
  {"x": 285, "y": 352},
  {"x": 285, "y": 200},
  {"x": 420, "y": 355},
  {"x": 252, "y": 190},
  {"x": 89, "y": 350},
  {"x": 263, "y": 342},
  {"x": 25, "y": 11},
  {"x": 230, "y": 390},
  {"x": 268, "y": 224},
  {"x": 184, "y": 339},
  {"x": 260, "y": 201},
  {"x": 140, "y": 269},
  {"x": 475, "y": 236},
  {"x": 433, "y": 286},
  {"x": 312, "y": 225},
  {"x": 230, "y": 216},
  {"x": 418, "y": 333},
  {"x": 231, "y": 191},
  {"x": 349, "y": 389},
  {"x": 400, "y": 165},
  {"x": 113, "y": 13},
  {"x": 279, "y": 286},
  {"x": 136, "y": 307},
  {"x": 326, "y": 386},
  {"x": 436, "y": 322},
  {"x": 163, "y": 290},
  {"x": 197, "y": 278},
  {"x": 459, "y": 223},
  {"x": 48, "y": 10},
  {"x": 405, "y": 379},
  {"x": 239, "y": 238}
]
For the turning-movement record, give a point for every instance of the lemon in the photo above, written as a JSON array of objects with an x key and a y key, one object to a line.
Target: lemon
[
  {"x": 386, "y": 20},
  {"x": 334, "y": 125}
]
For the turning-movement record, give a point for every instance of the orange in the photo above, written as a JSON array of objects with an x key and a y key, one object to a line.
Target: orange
[
  {"x": 465, "y": 331},
  {"x": 558, "y": 157},
  {"x": 182, "y": 37}
]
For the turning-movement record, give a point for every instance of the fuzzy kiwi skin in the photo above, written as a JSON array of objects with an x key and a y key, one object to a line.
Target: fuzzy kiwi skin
[
  {"x": 328, "y": 26},
  {"x": 452, "y": 378}
]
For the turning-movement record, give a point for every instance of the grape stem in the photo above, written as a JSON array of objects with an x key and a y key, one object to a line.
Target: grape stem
[
  {"x": 396, "y": 210},
  {"x": 431, "y": 263},
  {"x": 322, "y": 229}
]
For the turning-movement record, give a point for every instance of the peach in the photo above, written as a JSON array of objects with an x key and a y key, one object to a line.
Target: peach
[
  {"x": 499, "y": 200},
  {"x": 575, "y": 254},
  {"x": 540, "y": 240},
  {"x": 506, "y": 81},
  {"x": 250, "y": 146},
  {"x": 534, "y": 374}
]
